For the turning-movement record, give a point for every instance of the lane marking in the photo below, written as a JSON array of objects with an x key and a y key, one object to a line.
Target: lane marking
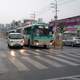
[
  {"x": 52, "y": 63},
  {"x": 54, "y": 51},
  {"x": 35, "y": 63},
  {"x": 3, "y": 55},
  {"x": 3, "y": 67},
  {"x": 23, "y": 52},
  {"x": 62, "y": 60},
  {"x": 68, "y": 57},
  {"x": 40, "y": 51},
  {"x": 33, "y": 52},
  {"x": 70, "y": 54},
  {"x": 20, "y": 66},
  {"x": 68, "y": 77}
]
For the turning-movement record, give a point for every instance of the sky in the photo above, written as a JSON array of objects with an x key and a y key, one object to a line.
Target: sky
[{"x": 23, "y": 9}]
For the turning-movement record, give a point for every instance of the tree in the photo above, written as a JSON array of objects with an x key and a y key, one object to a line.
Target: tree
[{"x": 61, "y": 27}]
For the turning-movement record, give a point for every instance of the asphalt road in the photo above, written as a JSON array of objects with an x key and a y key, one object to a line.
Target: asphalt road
[{"x": 39, "y": 64}]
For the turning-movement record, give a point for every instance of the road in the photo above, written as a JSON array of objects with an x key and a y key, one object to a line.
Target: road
[{"x": 39, "y": 64}]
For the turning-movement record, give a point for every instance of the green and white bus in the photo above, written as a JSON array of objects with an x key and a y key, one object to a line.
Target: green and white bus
[{"x": 37, "y": 35}]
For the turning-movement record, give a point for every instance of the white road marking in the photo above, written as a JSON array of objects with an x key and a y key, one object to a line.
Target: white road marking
[
  {"x": 52, "y": 63},
  {"x": 73, "y": 55},
  {"x": 3, "y": 67},
  {"x": 20, "y": 66},
  {"x": 52, "y": 51},
  {"x": 35, "y": 63},
  {"x": 24, "y": 52},
  {"x": 68, "y": 57},
  {"x": 33, "y": 52},
  {"x": 3, "y": 55},
  {"x": 74, "y": 77},
  {"x": 40, "y": 51},
  {"x": 62, "y": 60}
]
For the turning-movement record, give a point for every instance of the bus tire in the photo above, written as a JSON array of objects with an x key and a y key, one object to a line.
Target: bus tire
[
  {"x": 45, "y": 46},
  {"x": 28, "y": 42}
]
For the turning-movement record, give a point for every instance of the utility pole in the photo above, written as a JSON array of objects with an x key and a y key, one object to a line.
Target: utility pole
[
  {"x": 54, "y": 6},
  {"x": 56, "y": 17},
  {"x": 33, "y": 16}
]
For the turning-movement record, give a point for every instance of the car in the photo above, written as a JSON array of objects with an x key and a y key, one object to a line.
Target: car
[
  {"x": 73, "y": 41},
  {"x": 15, "y": 39}
]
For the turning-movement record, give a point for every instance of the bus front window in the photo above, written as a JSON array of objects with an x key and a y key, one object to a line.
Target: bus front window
[
  {"x": 42, "y": 31},
  {"x": 37, "y": 32}
]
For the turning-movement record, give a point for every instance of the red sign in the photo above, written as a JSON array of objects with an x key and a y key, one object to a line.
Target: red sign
[{"x": 70, "y": 29}]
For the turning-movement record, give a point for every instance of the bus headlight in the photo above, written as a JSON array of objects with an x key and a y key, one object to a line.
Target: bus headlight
[
  {"x": 51, "y": 42},
  {"x": 36, "y": 42}
]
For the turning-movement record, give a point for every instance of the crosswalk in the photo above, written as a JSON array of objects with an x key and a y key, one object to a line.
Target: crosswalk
[
  {"x": 40, "y": 59},
  {"x": 62, "y": 60},
  {"x": 3, "y": 68},
  {"x": 20, "y": 66},
  {"x": 35, "y": 63},
  {"x": 74, "y": 77}
]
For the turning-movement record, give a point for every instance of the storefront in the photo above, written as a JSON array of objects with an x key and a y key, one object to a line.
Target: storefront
[{"x": 70, "y": 24}]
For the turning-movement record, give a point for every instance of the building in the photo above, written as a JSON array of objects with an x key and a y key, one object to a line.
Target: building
[
  {"x": 70, "y": 24},
  {"x": 28, "y": 22}
]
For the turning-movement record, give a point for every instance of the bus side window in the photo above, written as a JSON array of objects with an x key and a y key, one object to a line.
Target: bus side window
[
  {"x": 27, "y": 30},
  {"x": 24, "y": 31}
]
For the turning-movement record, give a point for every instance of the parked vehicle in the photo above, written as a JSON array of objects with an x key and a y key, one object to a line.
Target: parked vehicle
[
  {"x": 73, "y": 41},
  {"x": 15, "y": 39}
]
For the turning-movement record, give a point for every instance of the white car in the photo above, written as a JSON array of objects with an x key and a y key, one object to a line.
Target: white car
[
  {"x": 15, "y": 39},
  {"x": 72, "y": 41}
]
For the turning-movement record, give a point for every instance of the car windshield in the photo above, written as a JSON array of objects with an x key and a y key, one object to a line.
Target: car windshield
[
  {"x": 15, "y": 36},
  {"x": 77, "y": 37}
]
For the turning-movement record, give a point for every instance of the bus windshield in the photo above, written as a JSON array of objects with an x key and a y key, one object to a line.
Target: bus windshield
[{"x": 42, "y": 31}]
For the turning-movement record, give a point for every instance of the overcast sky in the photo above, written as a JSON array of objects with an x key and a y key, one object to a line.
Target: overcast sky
[{"x": 22, "y": 9}]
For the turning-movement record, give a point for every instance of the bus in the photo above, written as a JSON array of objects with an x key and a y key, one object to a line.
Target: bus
[{"x": 37, "y": 35}]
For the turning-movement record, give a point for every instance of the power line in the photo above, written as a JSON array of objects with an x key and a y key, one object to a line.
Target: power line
[
  {"x": 66, "y": 2},
  {"x": 47, "y": 8}
]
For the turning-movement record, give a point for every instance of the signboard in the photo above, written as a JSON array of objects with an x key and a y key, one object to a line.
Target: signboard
[{"x": 70, "y": 29}]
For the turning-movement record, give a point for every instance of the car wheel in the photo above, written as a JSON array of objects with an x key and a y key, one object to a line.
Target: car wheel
[
  {"x": 72, "y": 44},
  {"x": 9, "y": 46},
  {"x": 21, "y": 46}
]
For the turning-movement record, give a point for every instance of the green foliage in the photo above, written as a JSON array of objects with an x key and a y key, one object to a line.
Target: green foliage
[{"x": 61, "y": 27}]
